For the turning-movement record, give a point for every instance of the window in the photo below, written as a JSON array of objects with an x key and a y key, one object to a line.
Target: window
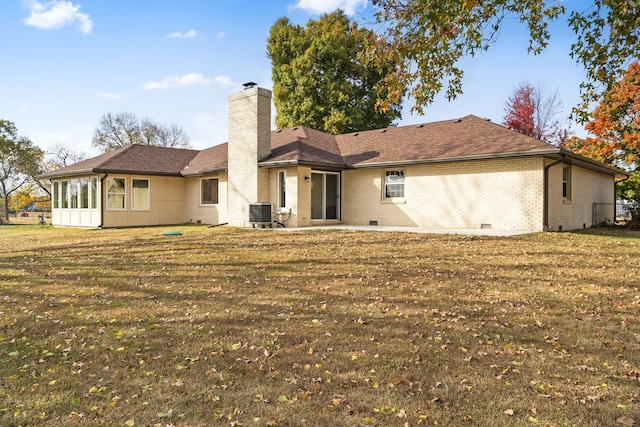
[
  {"x": 56, "y": 195},
  {"x": 94, "y": 192},
  {"x": 84, "y": 193},
  {"x": 140, "y": 194},
  {"x": 282, "y": 189},
  {"x": 115, "y": 193},
  {"x": 64, "y": 194},
  {"x": 394, "y": 184},
  {"x": 566, "y": 182},
  {"x": 73, "y": 193},
  {"x": 209, "y": 191}
]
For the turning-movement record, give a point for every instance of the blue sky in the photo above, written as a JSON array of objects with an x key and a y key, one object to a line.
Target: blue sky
[{"x": 66, "y": 63}]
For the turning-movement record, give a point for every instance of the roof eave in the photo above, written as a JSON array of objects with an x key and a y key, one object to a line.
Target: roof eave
[
  {"x": 136, "y": 172},
  {"x": 593, "y": 165},
  {"x": 56, "y": 174},
  {"x": 514, "y": 154},
  {"x": 203, "y": 172},
  {"x": 291, "y": 163}
]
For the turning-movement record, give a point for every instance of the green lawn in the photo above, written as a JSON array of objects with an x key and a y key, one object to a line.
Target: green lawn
[{"x": 224, "y": 326}]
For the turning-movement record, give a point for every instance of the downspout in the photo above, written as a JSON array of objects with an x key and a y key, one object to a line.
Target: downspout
[
  {"x": 102, "y": 198},
  {"x": 545, "y": 207}
]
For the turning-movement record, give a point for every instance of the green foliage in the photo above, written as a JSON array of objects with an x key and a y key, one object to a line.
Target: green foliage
[
  {"x": 320, "y": 80},
  {"x": 615, "y": 126},
  {"x": 426, "y": 39},
  {"x": 19, "y": 161}
]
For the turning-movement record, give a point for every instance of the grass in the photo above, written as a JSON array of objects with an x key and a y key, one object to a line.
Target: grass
[{"x": 237, "y": 327}]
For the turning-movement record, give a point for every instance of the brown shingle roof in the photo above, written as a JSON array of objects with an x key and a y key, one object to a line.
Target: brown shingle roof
[
  {"x": 138, "y": 159},
  {"x": 467, "y": 138},
  {"x": 305, "y": 145},
  {"x": 212, "y": 159},
  {"x": 470, "y": 136}
]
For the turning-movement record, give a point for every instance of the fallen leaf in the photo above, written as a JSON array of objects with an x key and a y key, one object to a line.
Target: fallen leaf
[{"x": 625, "y": 421}]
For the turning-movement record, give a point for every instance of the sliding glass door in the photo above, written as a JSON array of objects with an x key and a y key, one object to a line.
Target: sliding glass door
[{"x": 325, "y": 196}]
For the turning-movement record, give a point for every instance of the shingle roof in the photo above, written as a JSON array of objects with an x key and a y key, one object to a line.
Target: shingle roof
[
  {"x": 212, "y": 159},
  {"x": 462, "y": 139},
  {"x": 470, "y": 136},
  {"x": 305, "y": 145},
  {"x": 138, "y": 159}
]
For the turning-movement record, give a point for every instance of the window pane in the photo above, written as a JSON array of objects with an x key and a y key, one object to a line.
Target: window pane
[
  {"x": 115, "y": 185},
  {"x": 56, "y": 195},
  {"x": 115, "y": 201},
  {"x": 140, "y": 194},
  {"x": 73, "y": 193},
  {"x": 94, "y": 195},
  {"x": 64, "y": 194},
  {"x": 84, "y": 193},
  {"x": 115, "y": 193},
  {"x": 394, "y": 184},
  {"x": 566, "y": 182},
  {"x": 209, "y": 195},
  {"x": 282, "y": 189}
]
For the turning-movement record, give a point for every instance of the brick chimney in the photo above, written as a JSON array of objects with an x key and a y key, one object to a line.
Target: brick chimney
[{"x": 249, "y": 142}]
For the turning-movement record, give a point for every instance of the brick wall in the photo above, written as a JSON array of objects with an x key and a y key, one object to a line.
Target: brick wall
[
  {"x": 504, "y": 194},
  {"x": 249, "y": 141},
  {"x": 587, "y": 187}
]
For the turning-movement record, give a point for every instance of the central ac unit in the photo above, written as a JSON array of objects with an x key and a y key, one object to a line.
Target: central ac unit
[{"x": 260, "y": 214}]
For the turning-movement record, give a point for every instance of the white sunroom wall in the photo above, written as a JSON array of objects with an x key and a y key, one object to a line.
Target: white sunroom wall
[{"x": 76, "y": 216}]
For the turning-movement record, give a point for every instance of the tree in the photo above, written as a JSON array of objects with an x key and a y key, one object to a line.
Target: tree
[
  {"x": 22, "y": 198},
  {"x": 122, "y": 129},
  {"x": 532, "y": 112},
  {"x": 19, "y": 160},
  {"x": 615, "y": 125},
  {"x": 426, "y": 39},
  {"x": 65, "y": 156},
  {"x": 320, "y": 80}
]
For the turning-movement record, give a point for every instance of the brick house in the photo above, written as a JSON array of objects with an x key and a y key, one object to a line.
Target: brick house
[{"x": 466, "y": 173}]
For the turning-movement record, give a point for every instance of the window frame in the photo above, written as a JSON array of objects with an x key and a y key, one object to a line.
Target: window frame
[
  {"x": 566, "y": 183},
  {"x": 134, "y": 198},
  {"x": 64, "y": 194},
  {"x": 83, "y": 193},
  {"x": 281, "y": 183},
  {"x": 74, "y": 187},
  {"x": 56, "y": 194},
  {"x": 386, "y": 193},
  {"x": 111, "y": 193},
  {"x": 93, "y": 193},
  {"x": 214, "y": 201}
]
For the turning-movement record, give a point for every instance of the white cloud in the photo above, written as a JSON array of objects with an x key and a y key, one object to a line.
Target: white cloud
[
  {"x": 56, "y": 14},
  {"x": 178, "y": 35},
  {"x": 187, "y": 80},
  {"x": 109, "y": 95},
  {"x": 221, "y": 35},
  {"x": 317, "y": 7}
]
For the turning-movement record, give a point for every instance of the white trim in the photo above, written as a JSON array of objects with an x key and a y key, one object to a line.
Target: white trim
[
  {"x": 148, "y": 204},
  {"x": 124, "y": 195},
  {"x": 217, "y": 192},
  {"x": 281, "y": 181}
]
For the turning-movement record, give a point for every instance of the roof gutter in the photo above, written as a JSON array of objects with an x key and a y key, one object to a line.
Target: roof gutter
[
  {"x": 615, "y": 196},
  {"x": 488, "y": 156},
  {"x": 545, "y": 206}
]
